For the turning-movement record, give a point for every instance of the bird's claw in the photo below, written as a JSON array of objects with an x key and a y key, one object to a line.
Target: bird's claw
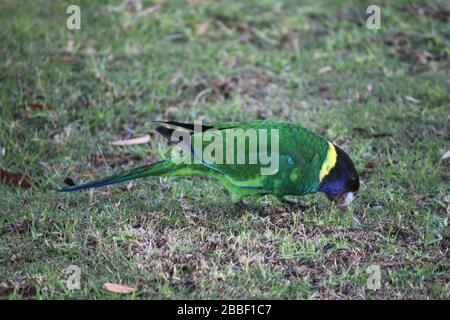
[{"x": 241, "y": 206}]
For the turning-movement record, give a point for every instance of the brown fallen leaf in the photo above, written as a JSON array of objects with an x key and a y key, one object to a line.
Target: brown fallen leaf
[
  {"x": 66, "y": 58},
  {"x": 418, "y": 197},
  {"x": 446, "y": 155},
  {"x": 63, "y": 58},
  {"x": 130, "y": 142},
  {"x": 412, "y": 99},
  {"x": 148, "y": 11},
  {"x": 371, "y": 164},
  {"x": 89, "y": 174},
  {"x": 118, "y": 288},
  {"x": 369, "y": 134},
  {"x": 15, "y": 179},
  {"x": 202, "y": 28},
  {"x": 325, "y": 69},
  {"x": 36, "y": 106}
]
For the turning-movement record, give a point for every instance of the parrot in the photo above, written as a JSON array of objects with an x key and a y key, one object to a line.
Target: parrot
[{"x": 305, "y": 162}]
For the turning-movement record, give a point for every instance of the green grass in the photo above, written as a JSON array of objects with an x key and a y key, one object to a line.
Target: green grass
[{"x": 386, "y": 101}]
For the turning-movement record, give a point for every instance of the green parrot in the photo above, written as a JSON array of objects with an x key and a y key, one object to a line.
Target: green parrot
[{"x": 299, "y": 163}]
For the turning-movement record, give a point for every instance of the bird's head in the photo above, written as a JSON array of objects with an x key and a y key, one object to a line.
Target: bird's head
[{"x": 339, "y": 179}]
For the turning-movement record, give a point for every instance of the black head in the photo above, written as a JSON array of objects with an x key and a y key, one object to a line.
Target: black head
[{"x": 342, "y": 181}]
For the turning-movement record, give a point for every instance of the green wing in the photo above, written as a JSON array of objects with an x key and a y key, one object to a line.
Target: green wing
[{"x": 300, "y": 156}]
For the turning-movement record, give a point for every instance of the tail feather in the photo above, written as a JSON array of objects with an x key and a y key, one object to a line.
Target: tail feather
[{"x": 154, "y": 169}]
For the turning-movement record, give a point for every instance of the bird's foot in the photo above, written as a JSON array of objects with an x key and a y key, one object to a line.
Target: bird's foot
[
  {"x": 241, "y": 206},
  {"x": 238, "y": 203}
]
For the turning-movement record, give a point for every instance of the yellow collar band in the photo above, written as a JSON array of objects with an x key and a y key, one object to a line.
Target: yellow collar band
[{"x": 329, "y": 163}]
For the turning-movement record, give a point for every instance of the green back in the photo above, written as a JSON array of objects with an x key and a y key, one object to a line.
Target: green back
[{"x": 300, "y": 155}]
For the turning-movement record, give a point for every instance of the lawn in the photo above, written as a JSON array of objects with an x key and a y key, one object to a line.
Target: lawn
[{"x": 382, "y": 95}]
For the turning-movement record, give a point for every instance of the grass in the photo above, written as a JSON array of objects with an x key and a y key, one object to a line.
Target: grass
[{"x": 382, "y": 95}]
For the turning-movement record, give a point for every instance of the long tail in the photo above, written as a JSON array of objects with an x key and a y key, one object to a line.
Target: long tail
[{"x": 160, "y": 168}]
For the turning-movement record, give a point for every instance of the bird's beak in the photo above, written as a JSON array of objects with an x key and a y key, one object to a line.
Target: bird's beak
[{"x": 344, "y": 200}]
